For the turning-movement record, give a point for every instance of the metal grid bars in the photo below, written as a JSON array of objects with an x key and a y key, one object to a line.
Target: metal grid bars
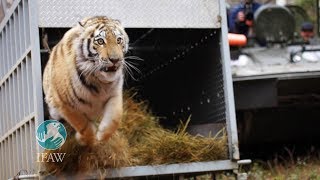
[
  {"x": 17, "y": 150},
  {"x": 14, "y": 38},
  {"x": 19, "y": 88},
  {"x": 16, "y": 97}
]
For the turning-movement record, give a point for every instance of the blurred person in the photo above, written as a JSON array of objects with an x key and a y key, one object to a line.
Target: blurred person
[
  {"x": 308, "y": 36},
  {"x": 307, "y": 33},
  {"x": 241, "y": 17}
]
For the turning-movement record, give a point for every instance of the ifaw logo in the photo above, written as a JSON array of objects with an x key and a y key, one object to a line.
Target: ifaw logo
[
  {"x": 51, "y": 135},
  {"x": 50, "y": 157}
]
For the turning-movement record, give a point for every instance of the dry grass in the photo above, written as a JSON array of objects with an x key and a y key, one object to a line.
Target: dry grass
[
  {"x": 82, "y": 159},
  {"x": 151, "y": 144},
  {"x": 288, "y": 166},
  {"x": 164, "y": 147},
  {"x": 140, "y": 140},
  {"x": 310, "y": 170}
]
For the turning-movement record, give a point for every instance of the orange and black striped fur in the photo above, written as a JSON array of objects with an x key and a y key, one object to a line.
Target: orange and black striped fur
[{"x": 83, "y": 79}]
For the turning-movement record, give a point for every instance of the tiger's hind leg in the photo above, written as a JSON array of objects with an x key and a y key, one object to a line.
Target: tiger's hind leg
[{"x": 85, "y": 130}]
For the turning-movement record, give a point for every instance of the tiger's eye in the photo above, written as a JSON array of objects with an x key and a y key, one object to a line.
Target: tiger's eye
[
  {"x": 119, "y": 40},
  {"x": 100, "y": 41}
]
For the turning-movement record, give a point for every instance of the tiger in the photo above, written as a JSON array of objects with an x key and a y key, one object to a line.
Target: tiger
[{"x": 83, "y": 78}]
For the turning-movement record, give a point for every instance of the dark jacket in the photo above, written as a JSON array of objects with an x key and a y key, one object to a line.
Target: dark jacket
[{"x": 240, "y": 27}]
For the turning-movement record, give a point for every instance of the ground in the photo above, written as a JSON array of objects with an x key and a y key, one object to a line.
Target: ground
[
  {"x": 298, "y": 170},
  {"x": 290, "y": 165}
]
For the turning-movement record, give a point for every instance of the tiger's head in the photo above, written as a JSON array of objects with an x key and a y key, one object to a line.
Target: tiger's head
[{"x": 101, "y": 47}]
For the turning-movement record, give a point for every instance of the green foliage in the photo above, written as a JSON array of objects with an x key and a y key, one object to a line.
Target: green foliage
[
  {"x": 310, "y": 7},
  {"x": 305, "y": 3}
]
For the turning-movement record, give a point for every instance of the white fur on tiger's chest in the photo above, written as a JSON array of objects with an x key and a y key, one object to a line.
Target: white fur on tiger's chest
[{"x": 95, "y": 104}]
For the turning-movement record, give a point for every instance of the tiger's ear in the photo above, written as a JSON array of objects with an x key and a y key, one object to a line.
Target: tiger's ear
[
  {"x": 80, "y": 23},
  {"x": 84, "y": 21},
  {"x": 118, "y": 22}
]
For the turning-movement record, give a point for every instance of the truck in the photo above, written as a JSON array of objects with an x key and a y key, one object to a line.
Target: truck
[{"x": 276, "y": 85}]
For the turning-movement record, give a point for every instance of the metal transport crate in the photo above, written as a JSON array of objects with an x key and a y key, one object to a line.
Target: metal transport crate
[{"x": 184, "y": 44}]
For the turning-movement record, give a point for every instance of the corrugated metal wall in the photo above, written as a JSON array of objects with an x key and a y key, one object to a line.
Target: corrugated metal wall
[{"x": 20, "y": 91}]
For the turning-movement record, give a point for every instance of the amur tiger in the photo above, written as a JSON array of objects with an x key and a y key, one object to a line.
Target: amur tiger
[{"x": 83, "y": 79}]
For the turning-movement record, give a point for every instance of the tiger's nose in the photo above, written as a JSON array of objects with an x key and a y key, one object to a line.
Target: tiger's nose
[{"x": 114, "y": 60}]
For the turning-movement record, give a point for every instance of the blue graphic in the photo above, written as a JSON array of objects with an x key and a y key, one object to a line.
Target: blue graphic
[{"x": 51, "y": 134}]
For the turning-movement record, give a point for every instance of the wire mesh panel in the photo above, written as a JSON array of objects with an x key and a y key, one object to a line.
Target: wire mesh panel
[{"x": 20, "y": 94}]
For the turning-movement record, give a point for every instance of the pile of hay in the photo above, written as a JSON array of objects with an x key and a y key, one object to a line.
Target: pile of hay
[{"x": 140, "y": 140}]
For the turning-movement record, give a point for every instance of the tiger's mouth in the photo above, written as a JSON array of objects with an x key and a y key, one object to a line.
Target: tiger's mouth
[{"x": 109, "y": 69}]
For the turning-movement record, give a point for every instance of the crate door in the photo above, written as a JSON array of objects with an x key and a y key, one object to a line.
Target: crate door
[{"x": 20, "y": 87}]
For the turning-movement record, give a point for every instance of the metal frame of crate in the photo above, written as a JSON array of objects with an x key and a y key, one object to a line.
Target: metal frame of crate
[
  {"x": 21, "y": 100},
  {"x": 20, "y": 87}
]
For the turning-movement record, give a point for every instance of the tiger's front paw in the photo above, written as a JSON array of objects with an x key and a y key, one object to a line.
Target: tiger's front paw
[
  {"x": 87, "y": 136},
  {"x": 106, "y": 130},
  {"x": 102, "y": 136},
  {"x": 84, "y": 140}
]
